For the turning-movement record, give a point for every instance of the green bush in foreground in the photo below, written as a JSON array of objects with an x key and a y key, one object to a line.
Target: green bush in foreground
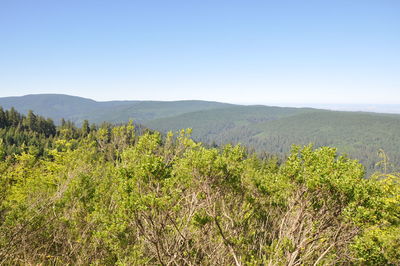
[{"x": 111, "y": 197}]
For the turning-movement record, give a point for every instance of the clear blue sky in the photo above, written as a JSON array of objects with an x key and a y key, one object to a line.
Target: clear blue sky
[{"x": 234, "y": 51}]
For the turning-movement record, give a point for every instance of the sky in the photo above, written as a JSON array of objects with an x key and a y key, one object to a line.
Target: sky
[{"x": 268, "y": 52}]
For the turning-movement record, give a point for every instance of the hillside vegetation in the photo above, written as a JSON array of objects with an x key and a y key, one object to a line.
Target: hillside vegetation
[
  {"x": 77, "y": 109},
  {"x": 273, "y": 130},
  {"x": 264, "y": 129},
  {"x": 108, "y": 195}
]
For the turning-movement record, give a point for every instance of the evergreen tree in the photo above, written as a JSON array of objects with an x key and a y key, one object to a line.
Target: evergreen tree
[
  {"x": 31, "y": 121},
  {"x": 2, "y": 118},
  {"x": 50, "y": 127},
  {"x": 85, "y": 129},
  {"x": 13, "y": 117}
]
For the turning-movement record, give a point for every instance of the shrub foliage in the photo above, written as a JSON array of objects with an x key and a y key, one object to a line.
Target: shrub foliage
[{"x": 111, "y": 196}]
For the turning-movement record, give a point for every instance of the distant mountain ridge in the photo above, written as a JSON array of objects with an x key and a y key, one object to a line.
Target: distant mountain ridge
[
  {"x": 375, "y": 108},
  {"x": 77, "y": 109}
]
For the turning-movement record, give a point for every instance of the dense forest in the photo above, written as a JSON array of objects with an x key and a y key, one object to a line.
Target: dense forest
[
  {"x": 274, "y": 130},
  {"x": 267, "y": 130},
  {"x": 108, "y": 195}
]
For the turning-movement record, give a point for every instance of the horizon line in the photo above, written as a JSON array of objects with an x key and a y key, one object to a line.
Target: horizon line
[{"x": 278, "y": 103}]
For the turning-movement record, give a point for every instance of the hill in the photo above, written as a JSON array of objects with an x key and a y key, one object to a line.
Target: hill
[
  {"x": 78, "y": 109},
  {"x": 273, "y": 130},
  {"x": 265, "y": 129}
]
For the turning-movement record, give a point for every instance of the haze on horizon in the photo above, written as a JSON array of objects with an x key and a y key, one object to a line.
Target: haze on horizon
[{"x": 263, "y": 52}]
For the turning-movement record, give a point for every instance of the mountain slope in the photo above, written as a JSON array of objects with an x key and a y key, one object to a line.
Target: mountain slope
[
  {"x": 207, "y": 124},
  {"x": 147, "y": 110},
  {"x": 274, "y": 130},
  {"x": 77, "y": 109},
  {"x": 50, "y": 105},
  {"x": 262, "y": 128}
]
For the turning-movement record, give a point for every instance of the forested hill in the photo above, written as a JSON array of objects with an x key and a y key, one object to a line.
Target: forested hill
[
  {"x": 274, "y": 130},
  {"x": 265, "y": 129},
  {"x": 77, "y": 109}
]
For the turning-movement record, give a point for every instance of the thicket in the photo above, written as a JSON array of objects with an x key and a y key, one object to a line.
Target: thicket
[{"x": 108, "y": 196}]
